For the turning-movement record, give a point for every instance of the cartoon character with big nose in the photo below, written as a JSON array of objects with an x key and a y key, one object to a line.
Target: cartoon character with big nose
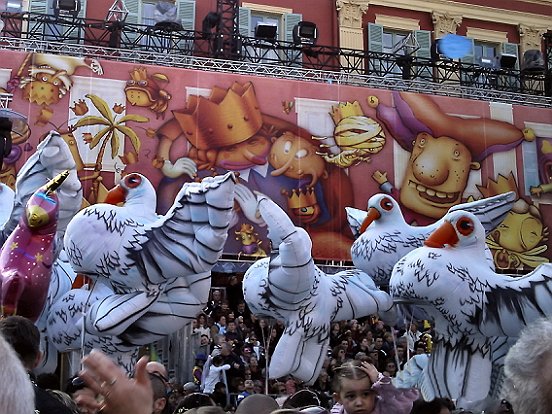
[{"x": 444, "y": 149}]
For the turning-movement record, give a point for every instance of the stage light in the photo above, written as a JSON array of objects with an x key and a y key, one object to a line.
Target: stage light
[
  {"x": 266, "y": 32},
  {"x": 305, "y": 33}
]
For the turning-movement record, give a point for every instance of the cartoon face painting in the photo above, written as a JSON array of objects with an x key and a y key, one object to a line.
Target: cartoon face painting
[
  {"x": 296, "y": 157},
  {"x": 247, "y": 154},
  {"x": 436, "y": 174}
]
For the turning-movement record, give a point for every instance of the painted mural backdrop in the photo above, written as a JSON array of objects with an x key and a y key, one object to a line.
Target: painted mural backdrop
[{"x": 312, "y": 148}]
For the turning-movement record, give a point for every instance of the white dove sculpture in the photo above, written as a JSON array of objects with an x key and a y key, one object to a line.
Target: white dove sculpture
[
  {"x": 289, "y": 287},
  {"x": 384, "y": 237},
  {"x": 51, "y": 157},
  {"x": 476, "y": 311},
  {"x": 151, "y": 273}
]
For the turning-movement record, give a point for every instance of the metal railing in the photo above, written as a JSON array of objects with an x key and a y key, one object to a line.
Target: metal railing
[{"x": 124, "y": 40}]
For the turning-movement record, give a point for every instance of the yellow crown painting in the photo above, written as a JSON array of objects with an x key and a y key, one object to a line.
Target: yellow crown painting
[
  {"x": 227, "y": 117},
  {"x": 301, "y": 197}
]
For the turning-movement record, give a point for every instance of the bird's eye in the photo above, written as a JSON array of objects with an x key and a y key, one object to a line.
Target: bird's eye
[
  {"x": 465, "y": 226},
  {"x": 133, "y": 180},
  {"x": 386, "y": 204}
]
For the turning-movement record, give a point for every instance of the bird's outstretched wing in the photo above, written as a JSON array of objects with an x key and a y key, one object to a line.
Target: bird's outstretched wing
[
  {"x": 512, "y": 303},
  {"x": 490, "y": 211},
  {"x": 52, "y": 157},
  {"x": 355, "y": 217},
  {"x": 189, "y": 239}
]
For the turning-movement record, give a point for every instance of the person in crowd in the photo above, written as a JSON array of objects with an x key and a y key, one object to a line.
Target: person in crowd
[
  {"x": 161, "y": 392},
  {"x": 412, "y": 336},
  {"x": 232, "y": 335},
  {"x": 197, "y": 370},
  {"x": 16, "y": 389},
  {"x": 220, "y": 395},
  {"x": 360, "y": 389},
  {"x": 390, "y": 368},
  {"x": 248, "y": 389},
  {"x": 215, "y": 368},
  {"x": 219, "y": 327},
  {"x": 257, "y": 404},
  {"x": 237, "y": 367},
  {"x": 193, "y": 401},
  {"x": 215, "y": 304},
  {"x": 118, "y": 394},
  {"x": 24, "y": 337},
  {"x": 243, "y": 311},
  {"x": 436, "y": 406},
  {"x": 381, "y": 354},
  {"x": 528, "y": 369},
  {"x": 76, "y": 387},
  {"x": 201, "y": 327},
  {"x": 338, "y": 357},
  {"x": 364, "y": 345}
]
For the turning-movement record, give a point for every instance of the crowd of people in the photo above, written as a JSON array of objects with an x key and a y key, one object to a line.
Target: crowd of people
[{"x": 230, "y": 372}]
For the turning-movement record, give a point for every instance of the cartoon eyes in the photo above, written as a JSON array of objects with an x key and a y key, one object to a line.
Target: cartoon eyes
[
  {"x": 465, "y": 226},
  {"x": 287, "y": 147},
  {"x": 133, "y": 180},
  {"x": 386, "y": 204},
  {"x": 302, "y": 153},
  {"x": 130, "y": 82}
]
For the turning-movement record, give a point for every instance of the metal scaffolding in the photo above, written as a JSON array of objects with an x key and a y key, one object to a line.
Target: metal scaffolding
[{"x": 198, "y": 50}]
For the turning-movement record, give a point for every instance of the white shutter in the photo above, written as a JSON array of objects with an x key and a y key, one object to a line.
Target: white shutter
[
  {"x": 245, "y": 21},
  {"x": 39, "y": 6},
  {"x": 290, "y": 20},
  {"x": 186, "y": 13}
]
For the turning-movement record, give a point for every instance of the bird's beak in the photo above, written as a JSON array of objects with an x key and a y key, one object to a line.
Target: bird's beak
[
  {"x": 372, "y": 216},
  {"x": 445, "y": 234},
  {"x": 116, "y": 195}
]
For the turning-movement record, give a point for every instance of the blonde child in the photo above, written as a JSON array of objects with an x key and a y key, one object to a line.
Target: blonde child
[{"x": 361, "y": 389}]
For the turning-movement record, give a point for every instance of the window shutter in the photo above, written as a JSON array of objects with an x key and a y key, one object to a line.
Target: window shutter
[
  {"x": 186, "y": 13},
  {"x": 510, "y": 49},
  {"x": 469, "y": 58},
  {"x": 245, "y": 22},
  {"x": 40, "y": 6},
  {"x": 82, "y": 11},
  {"x": 375, "y": 37},
  {"x": 295, "y": 56},
  {"x": 423, "y": 37},
  {"x": 290, "y": 20},
  {"x": 133, "y": 7},
  {"x": 375, "y": 44}
]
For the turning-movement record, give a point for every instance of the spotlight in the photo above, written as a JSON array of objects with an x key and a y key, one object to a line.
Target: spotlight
[
  {"x": 266, "y": 32},
  {"x": 305, "y": 33}
]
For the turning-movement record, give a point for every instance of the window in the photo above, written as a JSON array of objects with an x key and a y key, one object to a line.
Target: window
[
  {"x": 266, "y": 19},
  {"x": 253, "y": 14},
  {"x": 386, "y": 40},
  {"x": 392, "y": 38},
  {"x": 485, "y": 54},
  {"x": 13, "y": 6}
]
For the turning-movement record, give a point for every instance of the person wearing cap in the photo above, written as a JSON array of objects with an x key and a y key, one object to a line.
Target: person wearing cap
[
  {"x": 197, "y": 370},
  {"x": 189, "y": 388}
]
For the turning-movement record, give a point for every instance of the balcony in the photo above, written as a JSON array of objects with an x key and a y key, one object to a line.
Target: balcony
[{"x": 172, "y": 46}]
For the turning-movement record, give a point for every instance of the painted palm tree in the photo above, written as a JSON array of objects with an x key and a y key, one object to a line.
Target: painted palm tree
[{"x": 113, "y": 131}]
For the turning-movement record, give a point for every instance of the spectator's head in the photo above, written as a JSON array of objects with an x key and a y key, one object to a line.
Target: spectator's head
[
  {"x": 193, "y": 401},
  {"x": 189, "y": 388},
  {"x": 204, "y": 340},
  {"x": 528, "y": 369},
  {"x": 249, "y": 386},
  {"x": 24, "y": 337},
  {"x": 302, "y": 399},
  {"x": 436, "y": 406},
  {"x": 257, "y": 404},
  {"x": 218, "y": 360},
  {"x": 353, "y": 388},
  {"x": 16, "y": 389},
  {"x": 220, "y": 388},
  {"x": 216, "y": 295}
]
